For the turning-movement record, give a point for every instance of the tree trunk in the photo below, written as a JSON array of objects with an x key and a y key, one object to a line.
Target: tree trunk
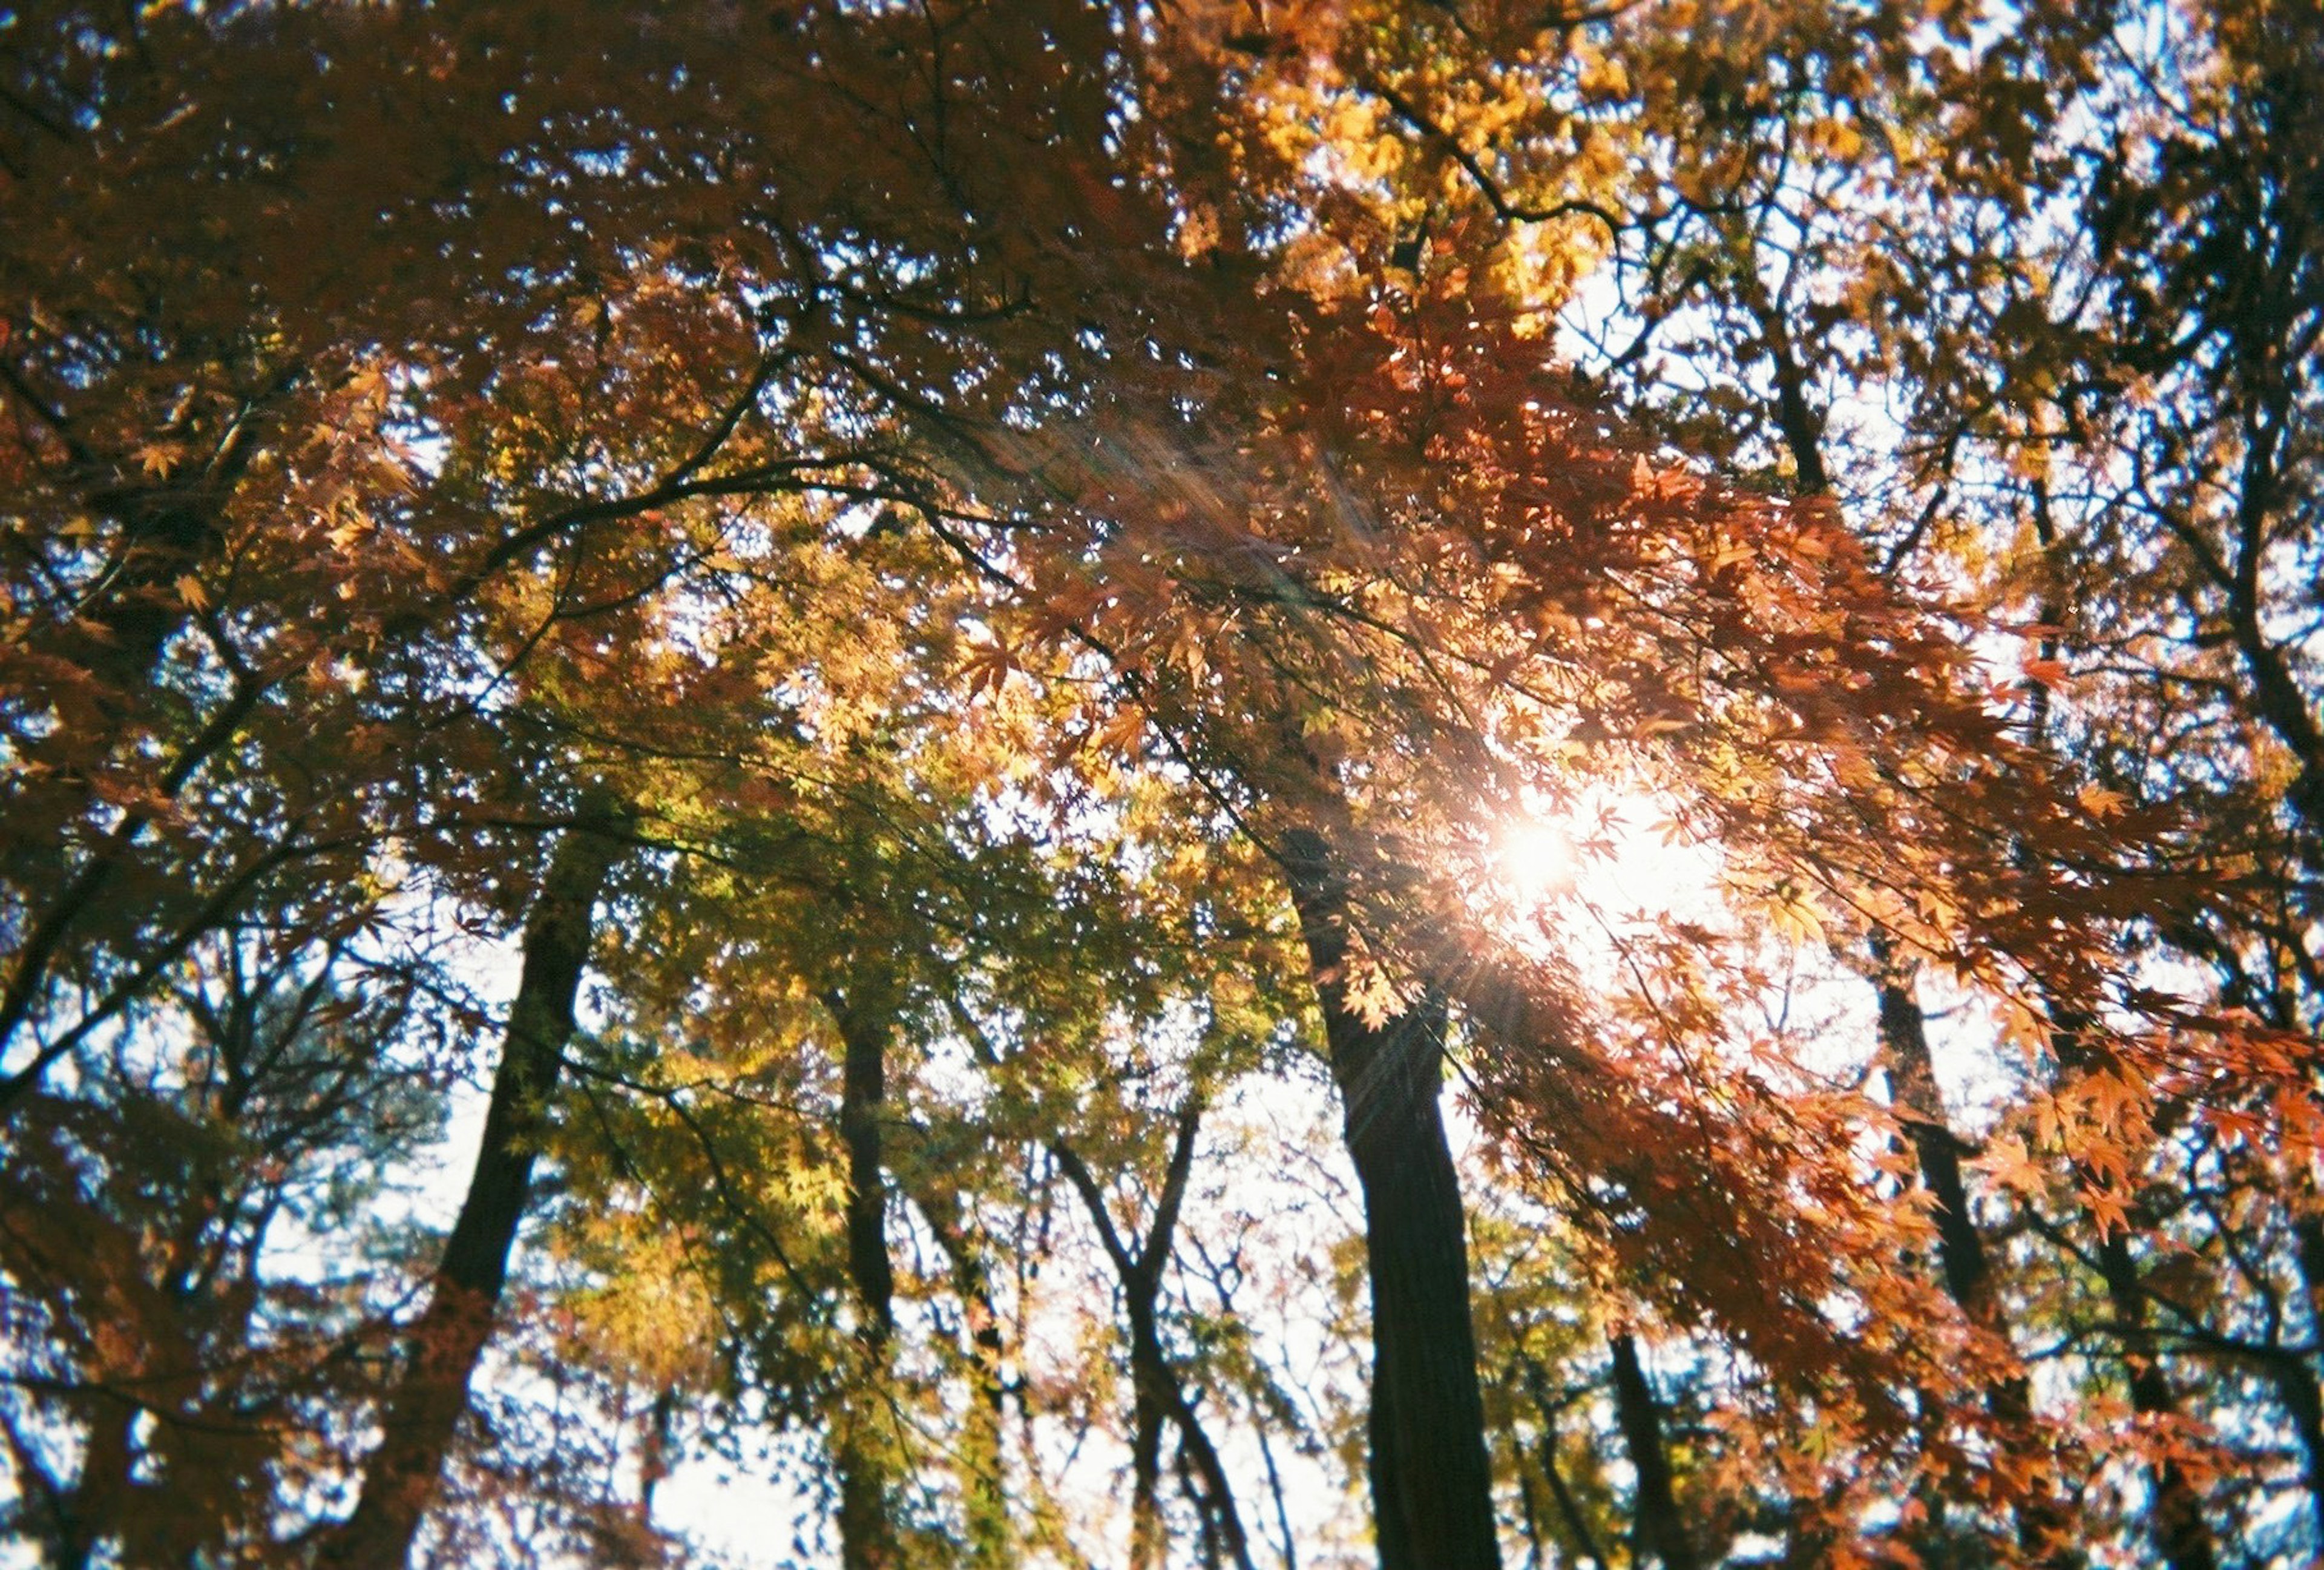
[
  {"x": 983, "y": 1453},
  {"x": 2295, "y": 1386},
  {"x": 94, "y": 1511},
  {"x": 2043, "y": 1531},
  {"x": 1913, "y": 1081},
  {"x": 1431, "y": 1482},
  {"x": 1661, "y": 1530},
  {"x": 1145, "y": 1445},
  {"x": 867, "y": 1538},
  {"x": 425, "y": 1408},
  {"x": 2180, "y": 1532},
  {"x": 1584, "y": 1544},
  {"x": 1157, "y": 1394},
  {"x": 2296, "y": 1377}
]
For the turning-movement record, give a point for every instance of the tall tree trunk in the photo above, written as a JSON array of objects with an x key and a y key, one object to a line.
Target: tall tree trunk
[
  {"x": 1912, "y": 1082},
  {"x": 426, "y": 1406},
  {"x": 93, "y": 1511},
  {"x": 653, "y": 1452},
  {"x": 2043, "y": 1530},
  {"x": 1145, "y": 1485},
  {"x": 1661, "y": 1529},
  {"x": 867, "y": 1537},
  {"x": 1584, "y": 1544},
  {"x": 2182, "y": 1534},
  {"x": 2295, "y": 1376},
  {"x": 1157, "y": 1394},
  {"x": 2181, "y": 1531},
  {"x": 1431, "y": 1482},
  {"x": 982, "y": 1447}
]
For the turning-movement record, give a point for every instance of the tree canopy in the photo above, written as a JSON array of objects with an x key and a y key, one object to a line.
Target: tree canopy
[{"x": 1245, "y": 783}]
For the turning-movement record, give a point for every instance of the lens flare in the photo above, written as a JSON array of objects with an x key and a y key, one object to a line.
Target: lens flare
[{"x": 1534, "y": 861}]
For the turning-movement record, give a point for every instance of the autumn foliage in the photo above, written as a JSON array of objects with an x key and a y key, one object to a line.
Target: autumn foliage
[{"x": 1085, "y": 784}]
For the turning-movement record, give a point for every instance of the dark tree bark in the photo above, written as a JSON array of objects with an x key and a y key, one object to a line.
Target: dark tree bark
[
  {"x": 1431, "y": 1482},
  {"x": 2294, "y": 1378},
  {"x": 2294, "y": 1375},
  {"x": 1661, "y": 1531},
  {"x": 1584, "y": 1542},
  {"x": 1920, "y": 1107},
  {"x": 90, "y": 1513},
  {"x": 1157, "y": 1394},
  {"x": 991, "y": 1542},
  {"x": 867, "y": 1538},
  {"x": 2181, "y": 1531},
  {"x": 425, "y": 1408},
  {"x": 2043, "y": 1531}
]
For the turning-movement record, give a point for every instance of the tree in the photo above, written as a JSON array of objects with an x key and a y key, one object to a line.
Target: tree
[{"x": 976, "y": 589}]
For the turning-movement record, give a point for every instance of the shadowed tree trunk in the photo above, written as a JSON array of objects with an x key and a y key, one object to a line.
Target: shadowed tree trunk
[
  {"x": 2043, "y": 1531},
  {"x": 1156, "y": 1395},
  {"x": 1431, "y": 1482},
  {"x": 425, "y": 1408},
  {"x": 2295, "y": 1376},
  {"x": 1920, "y": 1107},
  {"x": 867, "y": 1538},
  {"x": 89, "y": 1514},
  {"x": 1584, "y": 1542},
  {"x": 2181, "y": 1531},
  {"x": 981, "y": 1448},
  {"x": 1660, "y": 1529}
]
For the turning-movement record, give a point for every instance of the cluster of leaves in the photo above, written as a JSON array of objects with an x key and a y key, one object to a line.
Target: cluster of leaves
[{"x": 898, "y": 639}]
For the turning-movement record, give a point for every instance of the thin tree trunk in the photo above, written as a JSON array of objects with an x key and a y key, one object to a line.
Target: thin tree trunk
[
  {"x": 2296, "y": 1378},
  {"x": 1529, "y": 1518},
  {"x": 983, "y": 1446},
  {"x": 1661, "y": 1530},
  {"x": 2043, "y": 1530},
  {"x": 1157, "y": 1394},
  {"x": 1286, "y": 1543},
  {"x": 425, "y": 1408},
  {"x": 1568, "y": 1509},
  {"x": 2308, "y": 1243},
  {"x": 1146, "y": 1542},
  {"x": 2295, "y": 1386},
  {"x": 867, "y": 1537},
  {"x": 2180, "y": 1532},
  {"x": 1905, "y": 1042},
  {"x": 1431, "y": 1480},
  {"x": 653, "y": 1457}
]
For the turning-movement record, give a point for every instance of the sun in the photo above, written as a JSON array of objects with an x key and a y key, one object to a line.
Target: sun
[
  {"x": 1535, "y": 860},
  {"x": 1614, "y": 849}
]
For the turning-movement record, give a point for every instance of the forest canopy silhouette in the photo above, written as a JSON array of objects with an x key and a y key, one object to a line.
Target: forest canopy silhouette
[{"x": 1230, "y": 782}]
